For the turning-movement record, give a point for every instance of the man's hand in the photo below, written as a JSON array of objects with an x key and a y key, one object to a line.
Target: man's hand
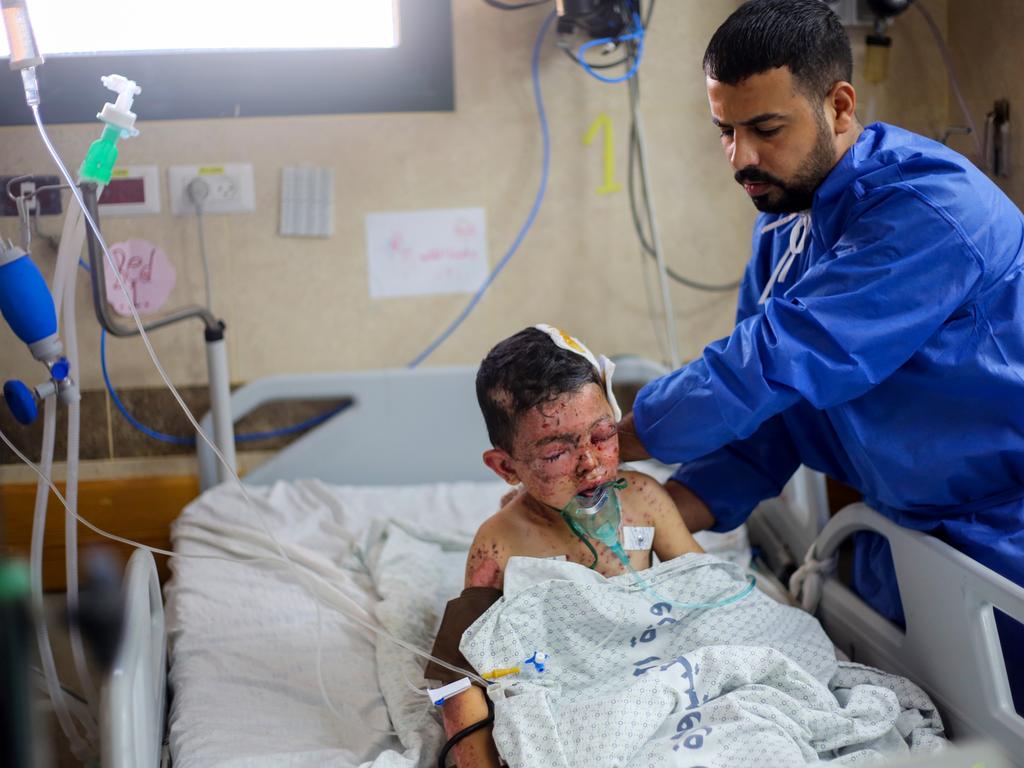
[{"x": 630, "y": 447}]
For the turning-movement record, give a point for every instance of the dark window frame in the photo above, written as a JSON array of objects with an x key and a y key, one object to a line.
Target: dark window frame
[{"x": 415, "y": 76}]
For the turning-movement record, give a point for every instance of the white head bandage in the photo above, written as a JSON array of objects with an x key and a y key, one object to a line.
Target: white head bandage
[{"x": 605, "y": 368}]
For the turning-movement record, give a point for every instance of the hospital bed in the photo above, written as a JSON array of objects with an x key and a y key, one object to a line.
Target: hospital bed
[{"x": 407, "y": 432}]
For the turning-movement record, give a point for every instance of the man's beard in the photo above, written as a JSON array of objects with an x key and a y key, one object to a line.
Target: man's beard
[{"x": 798, "y": 194}]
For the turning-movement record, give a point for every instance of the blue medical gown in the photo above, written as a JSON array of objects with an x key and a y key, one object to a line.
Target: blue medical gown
[{"x": 890, "y": 358}]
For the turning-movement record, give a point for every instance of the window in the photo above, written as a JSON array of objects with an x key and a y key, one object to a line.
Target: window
[{"x": 229, "y": 58}]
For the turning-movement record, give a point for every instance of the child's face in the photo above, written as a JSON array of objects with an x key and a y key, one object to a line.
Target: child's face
[{"x": 562, "y": 448}]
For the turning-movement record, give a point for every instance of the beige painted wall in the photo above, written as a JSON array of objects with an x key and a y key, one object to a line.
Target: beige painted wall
[
  {"x": 985, "y": 40},
  {"x": 303, "y": 305}
]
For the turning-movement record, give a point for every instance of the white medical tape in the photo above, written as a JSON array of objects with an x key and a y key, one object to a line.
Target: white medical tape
[
  {"x": 605, "y": 368},
  {"x": 637, "y": 537}
]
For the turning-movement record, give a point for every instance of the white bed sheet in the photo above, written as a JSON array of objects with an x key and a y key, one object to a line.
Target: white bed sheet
[{"x": 242, "y": 638}]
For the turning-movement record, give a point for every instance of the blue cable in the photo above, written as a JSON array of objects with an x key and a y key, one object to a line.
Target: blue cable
[
  {"x": 539, "y": 99},
  {"x": 637, "y": 34},
  {"x": 191, "y": 441},
  {"x": 320, "y": 418},
  {"x": 173, "y": 439}
]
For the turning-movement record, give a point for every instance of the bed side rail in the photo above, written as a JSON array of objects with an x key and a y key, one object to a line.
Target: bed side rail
[
  {"x": 404, "y": 426},
  {"x": 951, "y": 645},
  {"x": 133, "y": 697}
]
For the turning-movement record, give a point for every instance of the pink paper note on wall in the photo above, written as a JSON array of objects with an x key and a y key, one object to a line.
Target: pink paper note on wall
[{"x": 147, "y": 272}]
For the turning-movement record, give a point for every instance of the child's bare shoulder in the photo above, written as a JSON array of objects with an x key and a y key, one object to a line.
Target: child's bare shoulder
[
  {"x": 641, "y": 487},
  {"x": 644, "y": 497},
  {"x": 490, "y": 550},
  {"x": 510, "y": 532},
  {"x": 638, "y": 481}
]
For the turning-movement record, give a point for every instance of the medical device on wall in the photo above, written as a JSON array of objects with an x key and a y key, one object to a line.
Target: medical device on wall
[
  {"x": 877, "y": 42},
  {"x": 997, "y": 141},
  {"x": 25, "y": 56},
  {"x": 597, "y": 18},
  {"x": 864, "y": 13}
]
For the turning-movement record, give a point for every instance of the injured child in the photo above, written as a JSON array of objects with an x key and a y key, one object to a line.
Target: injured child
[{"x": 593, "y": 664}]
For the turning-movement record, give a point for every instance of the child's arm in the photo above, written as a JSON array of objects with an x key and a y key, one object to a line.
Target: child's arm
[
  {"x": 488, "y": 554},
  {"x": 671, "y": 536},
  {"x": 476, "y": 750},
  {"x": 485, "y": 567}
]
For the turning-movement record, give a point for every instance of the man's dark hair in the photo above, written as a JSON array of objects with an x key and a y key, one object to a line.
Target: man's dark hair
[
  {"x": 804, "y": 35},
  {"x": 523, "y": 371}
]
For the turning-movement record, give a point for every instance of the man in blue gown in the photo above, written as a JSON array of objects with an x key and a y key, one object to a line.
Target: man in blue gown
[{"x": 880, "y": 329}]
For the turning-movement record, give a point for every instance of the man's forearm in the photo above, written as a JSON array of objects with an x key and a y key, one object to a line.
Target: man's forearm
[{"x": 695, "y": 512}]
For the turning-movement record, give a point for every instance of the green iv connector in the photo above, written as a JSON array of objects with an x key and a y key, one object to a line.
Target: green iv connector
[{"x": 98, "y": 165}]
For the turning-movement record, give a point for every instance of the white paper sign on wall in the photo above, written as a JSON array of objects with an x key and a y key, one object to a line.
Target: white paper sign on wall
[{"x": 419, "y": 252}]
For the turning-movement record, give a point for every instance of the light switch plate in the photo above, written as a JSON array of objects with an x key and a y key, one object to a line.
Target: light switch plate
[{"x": 307, "y": 202}]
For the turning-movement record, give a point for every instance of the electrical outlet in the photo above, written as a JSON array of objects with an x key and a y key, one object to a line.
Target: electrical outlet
[
  {"x": 222, "y": 188},
  {"x": 48, "y": 200}
]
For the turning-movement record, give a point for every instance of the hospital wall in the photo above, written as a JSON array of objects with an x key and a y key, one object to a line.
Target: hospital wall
[
  {"x": 302, "y": 305},
  {"x": 985, "y": 43}
]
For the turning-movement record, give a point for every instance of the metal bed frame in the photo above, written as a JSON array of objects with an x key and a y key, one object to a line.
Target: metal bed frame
[{"x": 947, "y": 596}]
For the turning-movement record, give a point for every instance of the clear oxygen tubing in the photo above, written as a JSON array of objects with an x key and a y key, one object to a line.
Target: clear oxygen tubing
[
  {"x": 79, "y": 745},
  {"x": 308, "y": 581},
  {"x": 599, "y": 516},
  {"x": 659, "y": 254},
  {"x": 64, "y": 287},
  {"x": 648, "y": 590},
  {"x": 85, "y": 680}
]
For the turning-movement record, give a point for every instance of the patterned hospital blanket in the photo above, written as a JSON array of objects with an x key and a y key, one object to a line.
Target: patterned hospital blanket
[{"x": 631, "y": 683}]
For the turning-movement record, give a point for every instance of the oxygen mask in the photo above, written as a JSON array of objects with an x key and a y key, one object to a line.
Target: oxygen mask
[{"x": 596, "y": 513}]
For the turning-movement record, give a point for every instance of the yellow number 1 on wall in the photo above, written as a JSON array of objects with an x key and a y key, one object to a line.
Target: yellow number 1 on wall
[{"x": 608, "y": 153}]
